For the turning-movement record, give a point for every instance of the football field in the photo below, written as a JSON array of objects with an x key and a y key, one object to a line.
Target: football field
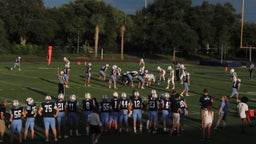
[{"x": 37, "y": 79}]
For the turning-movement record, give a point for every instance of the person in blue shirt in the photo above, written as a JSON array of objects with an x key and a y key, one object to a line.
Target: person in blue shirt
[
  {"x": 49, "y": 111},
  {"x": 222, "y": 112}
]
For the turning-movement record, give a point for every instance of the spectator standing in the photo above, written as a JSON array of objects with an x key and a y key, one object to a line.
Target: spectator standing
[
  {"x": 222, "y": 113},
  {"x": 243, "y": 110}
]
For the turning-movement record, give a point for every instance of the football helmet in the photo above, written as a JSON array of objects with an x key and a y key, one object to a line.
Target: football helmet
[
  {"x": 72, "y": 98},
  {"x": 169, "y": 68},
  {"x": 114, "y": 67},
  {"x": 107, "y": 65},
  {"x": 153, "y": 91},
  {"x": 158, "y": 68},
  {"x": 61, "y": 72},
  {"x": 19, "y": 57},
  {"x": 136, "y": 94},
  {"x": 115, "y": 94},
  {"x": 15, "y": 103},
  {"x": 61, "y": 96},
  {"x": 89, "y": 64},
  {"x": 166, "y": 95},
  {"x": 30, "y": 101},
  {"x": 154, "y": 95},
  {"x": 87, "y": 96},
  {"x": 64, "y": 58},
  {"x": 123, "y": 95},
  {"x": 48, "y": 98},
  {"x": 232, "y": 71}
]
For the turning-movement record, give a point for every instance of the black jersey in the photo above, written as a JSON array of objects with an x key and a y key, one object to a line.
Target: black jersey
[{"x": 31, "y": 110}]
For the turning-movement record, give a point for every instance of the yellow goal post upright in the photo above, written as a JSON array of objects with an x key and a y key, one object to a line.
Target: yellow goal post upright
[{"x": 241, "y": 35}]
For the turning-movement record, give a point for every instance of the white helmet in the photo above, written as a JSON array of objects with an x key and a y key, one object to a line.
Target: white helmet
[
  {"x": 87, "y": 96},
  {"x": 154, "y": 95},
  {"x": 107, "y": 65},
  {"x": 239, "y": 80},
  {"x": 64, "y": 58},
  {"x": 158, "y": 68},
  {"x": 15, "y": 103},
  {"x": 182, "y": 66},
  {"x": 72, "y": 98},
  {"x": 146, "y": 71},
  {"x": 61, "y": 96},
  {"x": 123, "y": 95},
  {"x": 61, "y": 72},
  {"x": 169, "y": 68},
  {"x": 136, "y": 94},
  {"x": 128, "y": 72},
  {"x": 232, "y": 71},
  {"x": 153, "y": 91},
  {"x": 48, "y": 98},
  {"x": 115, "y": 94},
  {"x": 114, "y": 67},
  {"x": 30, "y": 101},
  {"x": 166, "y": 95},
  {"x": 142, "y": 60},
  {"x": 19, "y": 57},
  {"x": 89, "y": 64}
]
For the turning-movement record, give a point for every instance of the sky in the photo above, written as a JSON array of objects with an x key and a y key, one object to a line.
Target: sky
[{"x": 130, "y": 6}]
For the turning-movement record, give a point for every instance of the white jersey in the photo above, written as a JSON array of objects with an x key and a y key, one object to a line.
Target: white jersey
[
  {"x": 242, "y": 108},
  {"x": 67, "y": 63}
]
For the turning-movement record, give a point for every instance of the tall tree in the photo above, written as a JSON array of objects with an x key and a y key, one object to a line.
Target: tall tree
[
  {"x": 123, "y": 21},
  {"x": 98, "y": 21}
]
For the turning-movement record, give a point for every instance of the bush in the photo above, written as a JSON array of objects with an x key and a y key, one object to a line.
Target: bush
[{"x": 25, "y": 49}]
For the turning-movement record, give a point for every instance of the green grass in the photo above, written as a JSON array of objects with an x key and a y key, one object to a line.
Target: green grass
[{"x": 37, "y": 80}]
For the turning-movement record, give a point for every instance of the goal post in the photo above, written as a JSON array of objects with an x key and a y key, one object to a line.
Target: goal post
[{"x": 242, "y": 30}]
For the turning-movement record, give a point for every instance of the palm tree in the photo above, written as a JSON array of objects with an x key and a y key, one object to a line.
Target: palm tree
[
  {"x": 122, "y": 21},
  {"x": 98, "y": 21}
]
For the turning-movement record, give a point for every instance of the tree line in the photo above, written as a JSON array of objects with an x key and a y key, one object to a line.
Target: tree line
[{"x": 87, "y": 26}]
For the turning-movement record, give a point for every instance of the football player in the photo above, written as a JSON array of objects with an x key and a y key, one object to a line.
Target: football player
[
  {"x": 50, "y": 111},
  {"x": 166, "y": 107},
  {"x": 30, "y": 112},
  {"x": 113, "y": 77},
  {"x": 3, "y": 118},
  {"x": 16, "y": 114},
  {"x": 61, "y": 118},
  {"x": 234, "y": 75},
  {"x": 186, "y": 82},
  {"x": 184, "y": 111},
  {"x": 88, "y": 106},
  {"x": 72, "y": 113},
  {"x": 171, "y": 78},
  {"x": 142, "y": 65},
  {"x": 66, "y": 66},
  {"x": 103, "y": 71},
  {"x": 105, "y": 107},
  {"x": 161, "y": 73},
  {"x": 17, "y": 64},
  {"x": 153, "y": 106},
  {"x": 88, "y": 74},
  {"x": 114, "y": 111},
  {"x": 61, "y": 82},
  {"x": 124, "y": 110},
  {"x": 135, "y": 108},
  {"x": 235, "y": 88}
]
